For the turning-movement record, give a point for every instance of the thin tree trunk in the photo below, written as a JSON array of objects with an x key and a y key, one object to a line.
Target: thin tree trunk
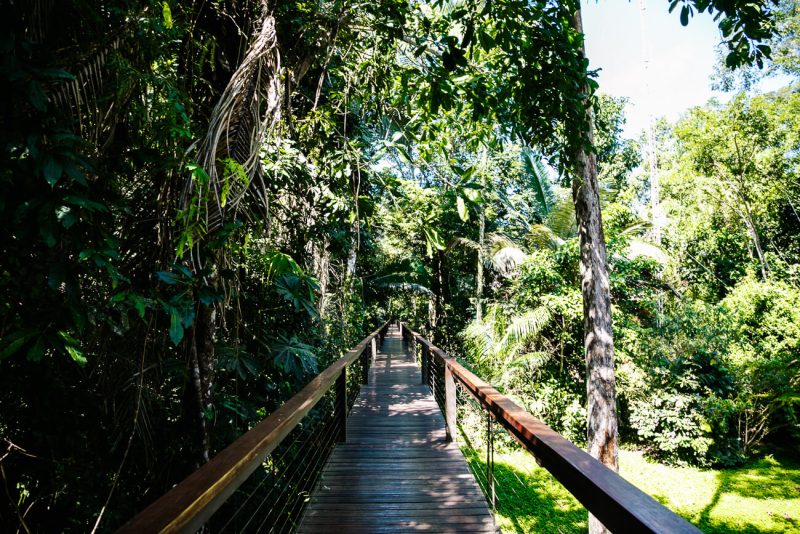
[
  {"x": 443, "y": 289},
  {"x": 352, "y": 256},
  {"x": 762, "y": 261},
  {"x": 601, "y": 416},
  {"x": 741, "y": 207},
  {"x": 435, "y": 303},
  {"x": 348, "y": 284},
  {"x": 322, "y": 260},
  {"x": 202, "y": 370}
]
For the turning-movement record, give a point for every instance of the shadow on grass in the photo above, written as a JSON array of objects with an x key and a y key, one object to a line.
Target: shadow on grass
[
  {"x": 529, "y": 500},
  {"x": 764, "y": 479}
]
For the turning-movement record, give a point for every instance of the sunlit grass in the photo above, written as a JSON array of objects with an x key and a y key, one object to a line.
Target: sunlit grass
[{"x": 759, "y": 497}]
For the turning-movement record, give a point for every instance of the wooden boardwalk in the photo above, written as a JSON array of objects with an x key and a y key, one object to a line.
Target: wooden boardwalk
[{"x": 396, "y": 473}]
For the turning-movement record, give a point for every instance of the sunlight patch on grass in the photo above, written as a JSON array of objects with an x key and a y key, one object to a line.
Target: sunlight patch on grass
[{"x": 762, "y": 496}]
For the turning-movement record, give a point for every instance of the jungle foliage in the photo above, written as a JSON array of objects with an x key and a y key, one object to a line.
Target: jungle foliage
[{"x": 205, "y": 203}]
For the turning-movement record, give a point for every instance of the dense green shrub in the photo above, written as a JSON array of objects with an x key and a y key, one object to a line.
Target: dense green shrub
[{"x": 681, "y": 399}]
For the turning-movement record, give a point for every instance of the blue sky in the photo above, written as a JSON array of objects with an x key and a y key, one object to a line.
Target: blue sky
[{"x": 682, "y": 58}]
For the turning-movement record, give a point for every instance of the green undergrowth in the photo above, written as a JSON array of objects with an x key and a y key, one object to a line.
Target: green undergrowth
[{"x": 763, "y": 496}]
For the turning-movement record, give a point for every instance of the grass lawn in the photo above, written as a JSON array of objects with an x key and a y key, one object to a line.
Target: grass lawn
[{"x": 761, "y": 496}]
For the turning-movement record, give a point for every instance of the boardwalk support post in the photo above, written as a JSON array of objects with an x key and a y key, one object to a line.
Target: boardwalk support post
[
  {"x": 449, "y": 404},
  {"x": 341, "y": 407}
]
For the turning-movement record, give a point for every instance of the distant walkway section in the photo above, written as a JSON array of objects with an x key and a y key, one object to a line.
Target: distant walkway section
[{"x": 395, "y": 472}]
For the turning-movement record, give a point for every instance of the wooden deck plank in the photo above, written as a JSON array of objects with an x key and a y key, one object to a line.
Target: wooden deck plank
[{"x": 396, "y": 473}]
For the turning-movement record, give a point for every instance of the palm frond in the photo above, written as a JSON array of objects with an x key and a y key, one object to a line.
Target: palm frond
[
  {"x": 541, "y": 236},
  {"x": 448, "y": 7},
  {"x": 463, "y": 242},
  {"x": 507, "y": 260},
  {"x": 561, "y": 219},
  {"x": 497, "y": 241},
  {"x": 82, "y": 97},
  {"x": 635, "y": 228},
  {"x": 479, "y": 341},
  {"x": 531, "y": 360},
  {"x": 408, "y": 286},
  {"x": 522, "y": 328},
  {"x": 638, "y": 247},
  {"x": 537, "y": 173},
  {"x": 293, "y": 356}
]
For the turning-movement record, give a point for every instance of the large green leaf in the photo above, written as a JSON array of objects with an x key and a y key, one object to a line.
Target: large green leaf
[
  {"x": 175, "y": 326},
  {"x": 463, "y": 212}
]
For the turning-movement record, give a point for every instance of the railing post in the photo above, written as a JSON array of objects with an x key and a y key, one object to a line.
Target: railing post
[
  {"x": 365, "y": 364},
  {"x": 340, "y": 410},
  {"x": 449, "y": 403},
  {"x": 374, "y": 349},
  {"x": 432, "y": 364},
  {"x": 490, "y": 461},
  {"x": 425, "y": 367}
]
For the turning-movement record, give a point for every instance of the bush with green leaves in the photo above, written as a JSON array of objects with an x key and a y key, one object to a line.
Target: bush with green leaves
[{"x": 765, "y": 354}]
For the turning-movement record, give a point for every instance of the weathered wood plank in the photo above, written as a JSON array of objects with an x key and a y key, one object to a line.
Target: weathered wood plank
[{"x": 396, "y": 472}]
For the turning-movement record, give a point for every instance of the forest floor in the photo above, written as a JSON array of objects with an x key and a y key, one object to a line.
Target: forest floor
[{"x": 762, "y": 496}]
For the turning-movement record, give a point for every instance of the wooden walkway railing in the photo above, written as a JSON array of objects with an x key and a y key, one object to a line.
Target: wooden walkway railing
[
  {"x": 191, "y": 503},
  {"x": 618, "y": 504}
]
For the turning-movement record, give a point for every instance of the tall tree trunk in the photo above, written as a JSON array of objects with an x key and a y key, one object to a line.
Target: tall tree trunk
[
  {"x": 479, "y": 274},
  {"x": 352, "y": 256},
  {"x": 601, "y": 416}
]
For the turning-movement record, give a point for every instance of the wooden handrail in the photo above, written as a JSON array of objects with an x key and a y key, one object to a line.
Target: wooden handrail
[
  {"x": 188, "y": 505},
  {"x": 618, "y": 504}
]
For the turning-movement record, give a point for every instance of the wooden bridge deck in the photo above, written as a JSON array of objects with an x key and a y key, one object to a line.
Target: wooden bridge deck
[{"x": 396, "y": 473}]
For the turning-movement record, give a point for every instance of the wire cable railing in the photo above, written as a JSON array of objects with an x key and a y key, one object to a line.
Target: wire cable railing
[
  {"x": 262, "y": 481},
  {"x": 484, "y": 420}
]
